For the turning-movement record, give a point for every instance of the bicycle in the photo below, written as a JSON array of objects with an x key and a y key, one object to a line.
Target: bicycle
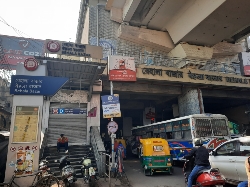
[{"x": 43, "y": 178}]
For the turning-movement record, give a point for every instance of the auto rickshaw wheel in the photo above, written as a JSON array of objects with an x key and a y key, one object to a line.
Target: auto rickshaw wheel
[
  {"x": 147, "y": 172},
  {"x": 171, "y": 171}
]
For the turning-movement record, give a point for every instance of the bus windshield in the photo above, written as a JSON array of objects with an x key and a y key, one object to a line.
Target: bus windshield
[{"x": 211, "y": 127}]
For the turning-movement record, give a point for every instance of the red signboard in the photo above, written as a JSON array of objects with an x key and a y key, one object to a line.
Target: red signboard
[{"x": 122, "y": 68}]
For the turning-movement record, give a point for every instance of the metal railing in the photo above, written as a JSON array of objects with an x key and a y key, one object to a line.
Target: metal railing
[
  {"x": 107, "y": 166},
  {"x": 98, "y": 147}
]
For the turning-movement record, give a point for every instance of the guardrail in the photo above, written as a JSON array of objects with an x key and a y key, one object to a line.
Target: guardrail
[
  {"x": 108, "y": 166},
  {"x": 98, "y": 147}
]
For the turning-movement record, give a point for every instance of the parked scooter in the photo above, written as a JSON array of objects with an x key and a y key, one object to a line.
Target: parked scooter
[
  {"x": 67, "y": 171},
  {"x": 209, "y": 177},
  {"x": 87, "y": 169}
]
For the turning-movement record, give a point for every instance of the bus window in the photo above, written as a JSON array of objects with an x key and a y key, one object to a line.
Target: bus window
[
  {"x": 203, "y": 128},
  {"x": 187, "y": 134},
  {"x": 219, "y": 127},
  {"x": 169, "y": 135},
  {"x": 177, "y": 133},
  {"x": 163, "y": 135}
]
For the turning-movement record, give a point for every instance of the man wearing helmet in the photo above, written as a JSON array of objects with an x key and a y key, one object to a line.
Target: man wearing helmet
[{"x": 201, "y": 155}]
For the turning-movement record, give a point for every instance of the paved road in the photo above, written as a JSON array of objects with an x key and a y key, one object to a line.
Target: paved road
[{"x": 138, "y": 179}]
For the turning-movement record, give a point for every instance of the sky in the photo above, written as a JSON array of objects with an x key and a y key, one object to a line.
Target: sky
[{"x": 40, "y": 19}]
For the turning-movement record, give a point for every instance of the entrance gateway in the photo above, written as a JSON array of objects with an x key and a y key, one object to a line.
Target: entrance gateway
[{"x": 70, "y": 120}]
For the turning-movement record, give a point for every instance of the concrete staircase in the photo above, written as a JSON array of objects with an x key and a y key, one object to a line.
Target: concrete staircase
[{"x": 76, "y": 152}]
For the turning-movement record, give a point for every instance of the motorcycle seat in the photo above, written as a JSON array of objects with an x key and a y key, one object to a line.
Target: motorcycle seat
[{"x": 214, "y": 170}]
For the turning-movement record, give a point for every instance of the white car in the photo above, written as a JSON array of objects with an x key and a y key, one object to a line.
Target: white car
[{"x": 230, "y": 158}]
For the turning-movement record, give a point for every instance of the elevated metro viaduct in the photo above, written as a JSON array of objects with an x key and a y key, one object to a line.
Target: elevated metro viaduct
[{"x": 200, "y": 40}]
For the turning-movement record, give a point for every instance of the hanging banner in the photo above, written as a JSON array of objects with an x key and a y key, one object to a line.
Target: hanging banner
[
  {"x": 111, "y": 106},
  {"x": 244, "y": 59},
  {"x": 149, "y": 113},
  {"x": 121, "y": 68}
]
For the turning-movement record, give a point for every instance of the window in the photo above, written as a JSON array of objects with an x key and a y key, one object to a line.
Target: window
[
  {"x": 203, "y": 128},
  {"x": 219, "y": 127},
  {"x": 158, "y": 148},
  {"x": 244, "y": 148},
  {"x": 228, "y": 149},
  {"x": 187, "y": 135}
]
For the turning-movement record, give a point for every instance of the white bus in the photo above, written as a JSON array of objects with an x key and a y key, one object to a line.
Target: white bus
[{"x": 179, "y": 132}]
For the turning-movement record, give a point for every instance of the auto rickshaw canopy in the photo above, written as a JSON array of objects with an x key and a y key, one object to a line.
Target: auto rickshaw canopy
[{"x": 154, "y": 147}]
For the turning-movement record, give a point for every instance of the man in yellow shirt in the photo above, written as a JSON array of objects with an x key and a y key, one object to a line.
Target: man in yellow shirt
[{"x": 247, "y": 166}]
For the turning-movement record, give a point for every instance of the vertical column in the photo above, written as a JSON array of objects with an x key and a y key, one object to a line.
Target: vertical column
[
  {"x": 21, "y": 152},
  {"x": 190, "y": 102}
]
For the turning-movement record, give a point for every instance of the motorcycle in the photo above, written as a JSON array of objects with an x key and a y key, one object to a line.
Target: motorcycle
[
  {"x": 205, "y": 178},
  {"x": 67, "y": 171},
  {"x": 87, "y": 170}
]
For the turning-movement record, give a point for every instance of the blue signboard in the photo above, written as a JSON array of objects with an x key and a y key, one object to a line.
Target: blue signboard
[
  {"x": 75, "y": 111},
  {"x": 36, "y": 85},
  {"x": 61, "y": 111},
  {"x": 110, "y": 99},
  {"x": 69, "y": 111}
]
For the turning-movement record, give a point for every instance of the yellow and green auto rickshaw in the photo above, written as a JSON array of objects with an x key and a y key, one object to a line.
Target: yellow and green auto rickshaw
[{"x": 155, "y": 156}]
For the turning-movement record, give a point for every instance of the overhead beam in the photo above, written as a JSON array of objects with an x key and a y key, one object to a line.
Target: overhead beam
[
  {"x": 225, "y": 94},
  {"x": 189, "y": 16},
  {"x": 109, "y": 4},
  {"x": 154, "y": 39},
  {"x": 142, "y": 88},
  {"x": 129, "y": 9}
]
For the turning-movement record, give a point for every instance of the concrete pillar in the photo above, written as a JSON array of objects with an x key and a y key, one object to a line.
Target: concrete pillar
[
  {"x": 33, "y": 147},
  {"x": 190, "y": 102}
]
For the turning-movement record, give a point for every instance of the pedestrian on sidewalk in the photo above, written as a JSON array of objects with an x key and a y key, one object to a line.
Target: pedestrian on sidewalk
[{"x": 62, "y": 142}]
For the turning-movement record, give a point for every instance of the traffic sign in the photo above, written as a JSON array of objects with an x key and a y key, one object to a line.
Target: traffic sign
[{"x": 112, "y": 127}]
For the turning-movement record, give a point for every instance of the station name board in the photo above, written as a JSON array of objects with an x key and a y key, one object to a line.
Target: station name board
[{"x": 192, "y": 76}]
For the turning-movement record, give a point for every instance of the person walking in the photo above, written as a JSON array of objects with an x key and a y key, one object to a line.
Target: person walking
[
  {"x": 201, "y": 155},
  {"x": 62, "y": 142}
]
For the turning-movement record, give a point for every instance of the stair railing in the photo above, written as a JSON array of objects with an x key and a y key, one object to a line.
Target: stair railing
[
  {"x": 44, "y": 141},
  {"x": 98, "y": 147}
]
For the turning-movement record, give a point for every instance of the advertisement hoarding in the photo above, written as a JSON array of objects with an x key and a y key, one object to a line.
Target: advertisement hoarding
[
  {"x": 26, "y": 124},
  {"x": 18, "y": 49},
  {"x": 121, "y": 68}
]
